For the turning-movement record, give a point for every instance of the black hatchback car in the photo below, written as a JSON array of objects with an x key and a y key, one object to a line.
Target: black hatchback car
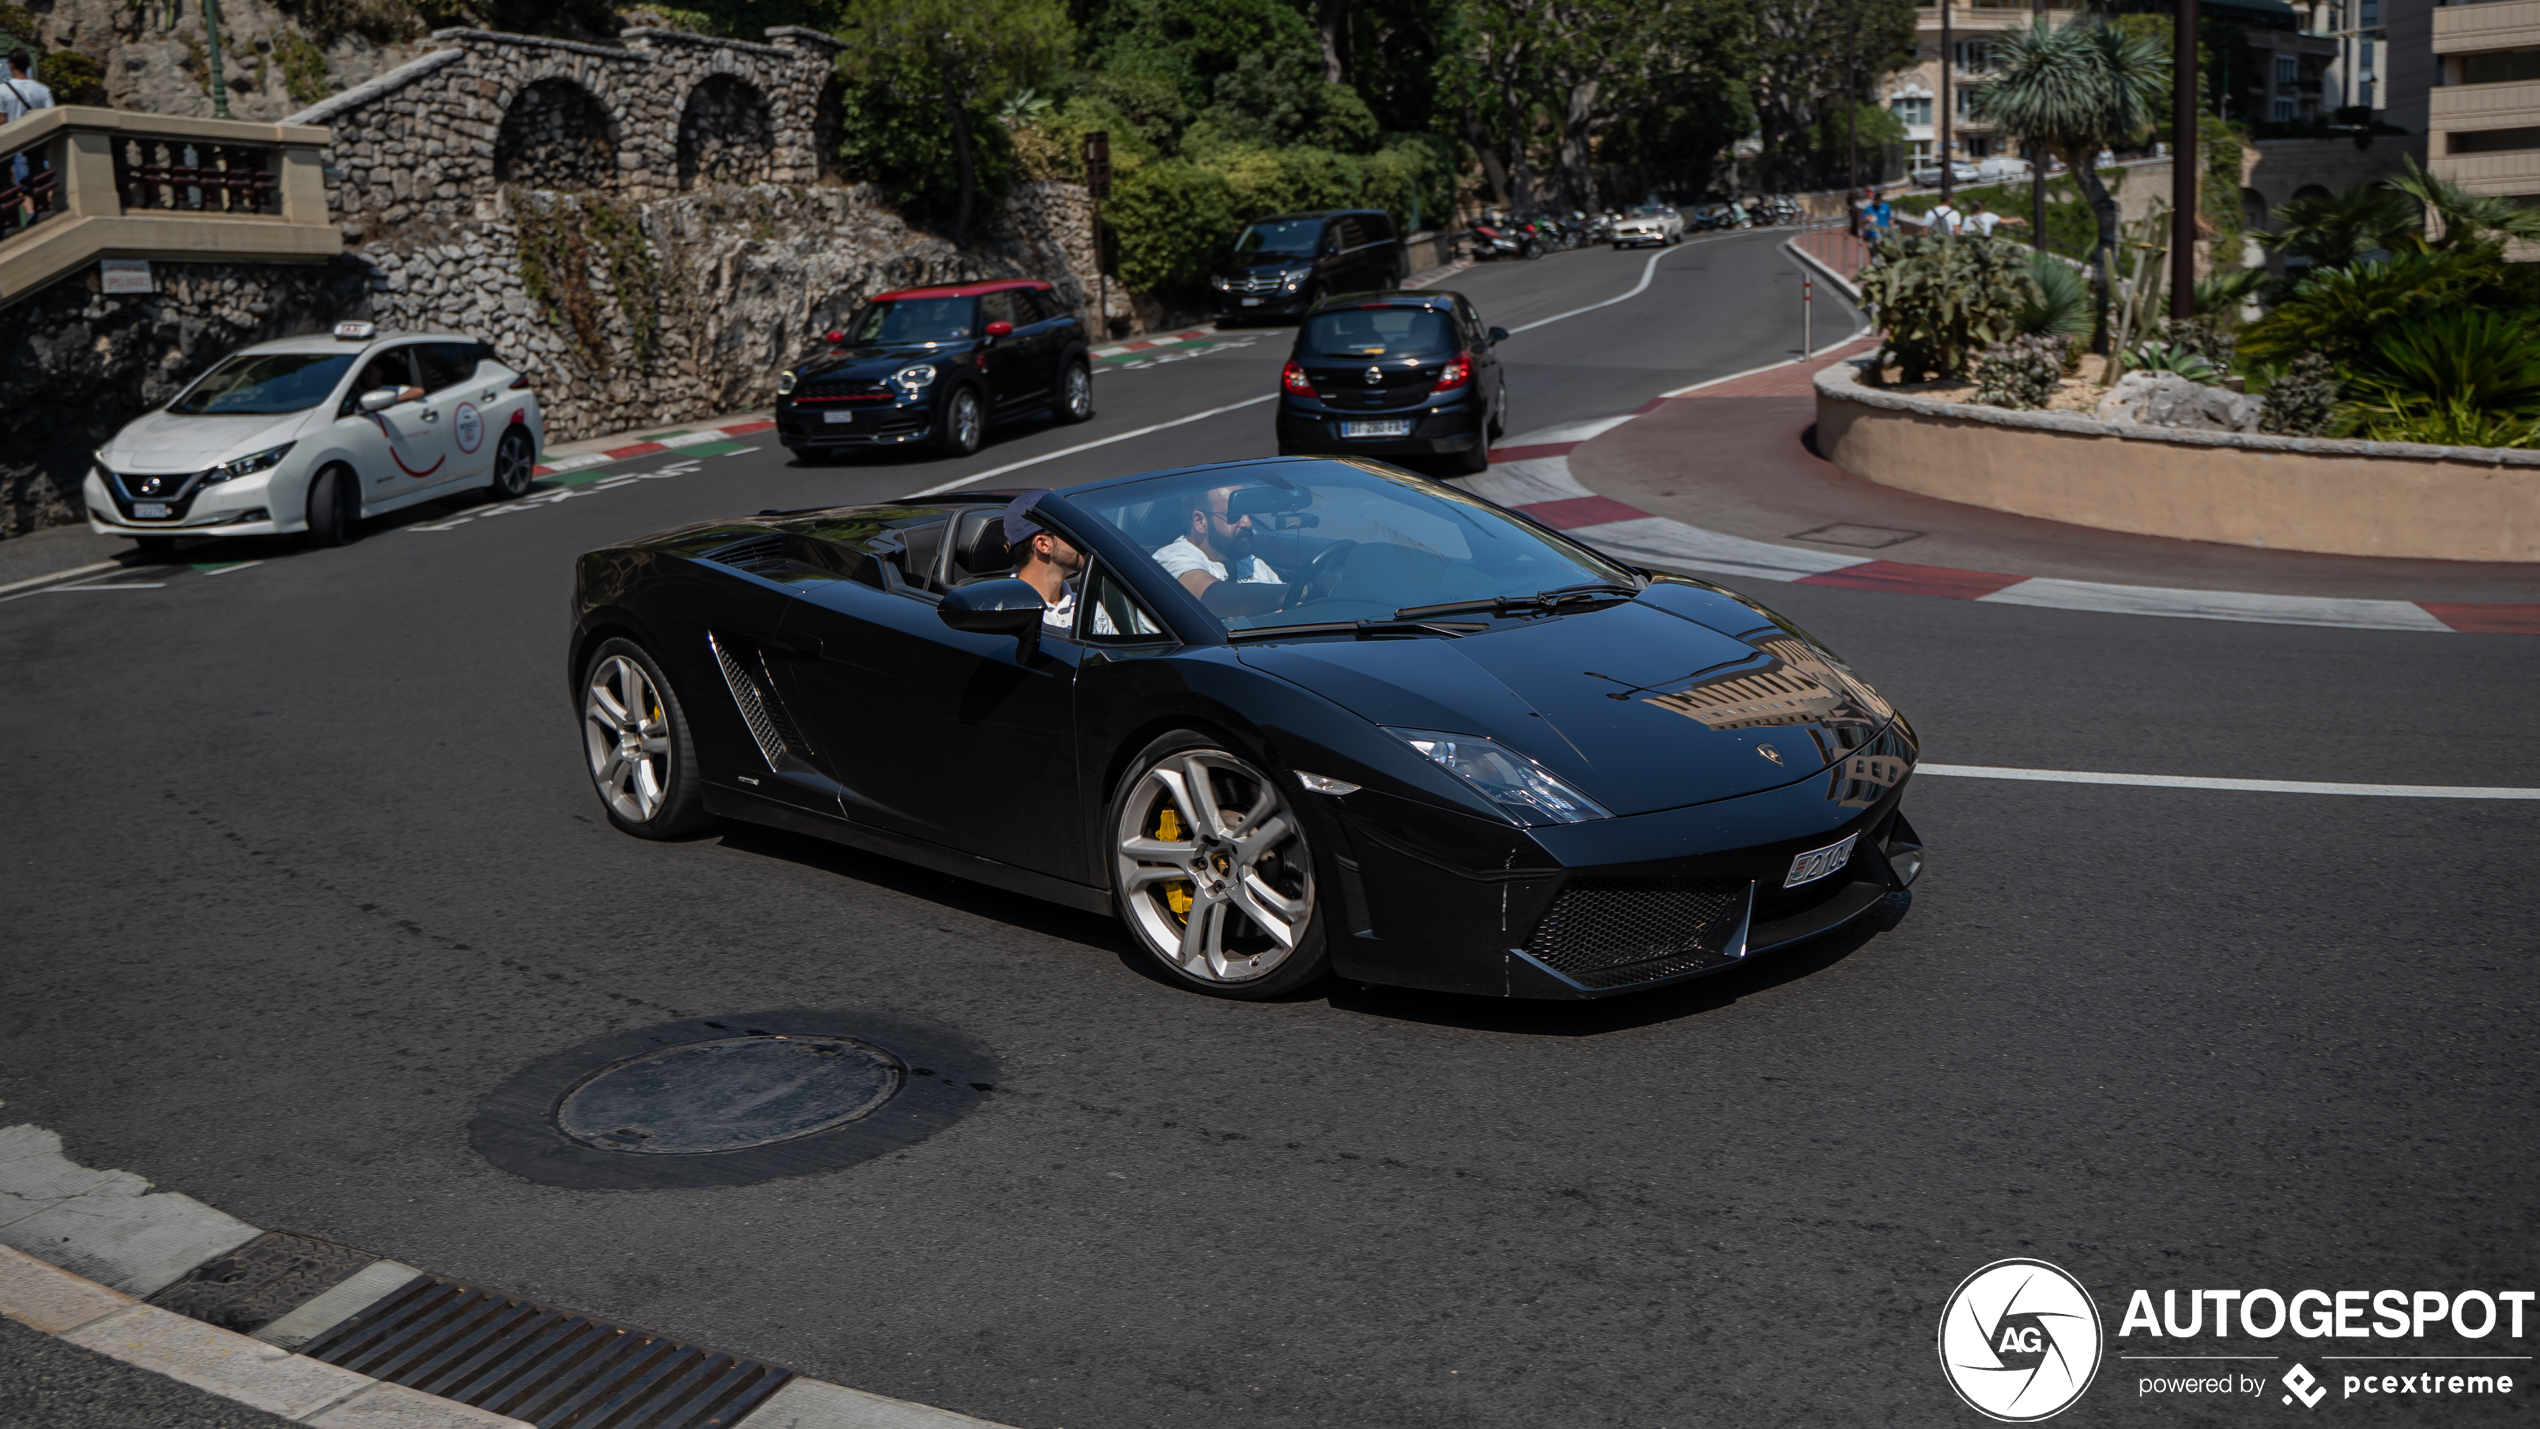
[
  {"x": 1284, "y": 265},
  {"x": 1394, "y": 374},
  {"x": 937, "y": 365}
]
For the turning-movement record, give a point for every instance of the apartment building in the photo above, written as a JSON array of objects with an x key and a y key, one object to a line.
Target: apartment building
[{"x": 2482, "y": 120}]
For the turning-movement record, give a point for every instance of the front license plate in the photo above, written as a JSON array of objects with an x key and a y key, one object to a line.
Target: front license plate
[
  {"x": 154, "y": 510},
  {"x": 1252, "y": 302},
  {"x": 1399, "y": 428},
  {"x": 1809, "y": 867},
  {"x": 837, "y": 419}
]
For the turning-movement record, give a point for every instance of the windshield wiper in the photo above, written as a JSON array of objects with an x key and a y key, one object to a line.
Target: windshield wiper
[
  {"x": 1545, "y": 599},
  {"x": 1362, "y": 628}
]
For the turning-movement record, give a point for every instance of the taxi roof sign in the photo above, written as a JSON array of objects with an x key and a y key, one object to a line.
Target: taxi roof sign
[{"x": 356, "y": 332}]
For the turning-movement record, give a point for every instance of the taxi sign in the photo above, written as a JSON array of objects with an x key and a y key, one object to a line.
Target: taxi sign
[{"x": 356, "y": 332}]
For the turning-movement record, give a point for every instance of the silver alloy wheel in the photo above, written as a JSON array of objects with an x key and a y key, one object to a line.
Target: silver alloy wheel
[
  {"x": 513, "y": 469},
  {"x": 627, "y": 737},
  {"x": 1212, "y": 867},
  {"x": 1080, "y": 391},
  {"x": 965, "y": 420}
]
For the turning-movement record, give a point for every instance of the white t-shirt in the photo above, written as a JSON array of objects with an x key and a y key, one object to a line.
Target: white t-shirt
[
  {"x": 1943, "y": 219},
  {"x": 1982, "y": 224},
  {"x": 1181, "y": 556},
  {"x": 17, "y": 96}
]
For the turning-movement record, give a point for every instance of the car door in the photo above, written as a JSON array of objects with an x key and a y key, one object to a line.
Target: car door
[
  {"x": 938, "y": 734},
  {"x": 1010, "y": 367},
  {"x": 447, "y": 373},
  {"x": 404, "y": 456},
  {"x": 1048, "y": 334}
]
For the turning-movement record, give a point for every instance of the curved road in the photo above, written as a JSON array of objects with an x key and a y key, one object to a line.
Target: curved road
[{"x": 301, "y": 863}]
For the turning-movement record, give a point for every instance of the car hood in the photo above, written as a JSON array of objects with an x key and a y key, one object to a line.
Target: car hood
[
  {"x": 1262, "y": 266},
  {"x": 875, "y": 362},
  {"x": 1640, "y": 709},
  {"x": 165, "y": 441}
]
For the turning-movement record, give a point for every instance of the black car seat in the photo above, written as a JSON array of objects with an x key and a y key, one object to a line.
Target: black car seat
[{"x": 979, "y": 551}]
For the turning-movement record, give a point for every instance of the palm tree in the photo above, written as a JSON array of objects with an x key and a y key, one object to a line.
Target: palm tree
[
  {"x": 2338, "y": 230},
  {"x": 2073, "y": 90},
  {"x": 2467, "y": 218}
]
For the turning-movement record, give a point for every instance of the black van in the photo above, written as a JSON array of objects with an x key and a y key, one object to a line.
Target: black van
[{"x": 1285, "y": 264}]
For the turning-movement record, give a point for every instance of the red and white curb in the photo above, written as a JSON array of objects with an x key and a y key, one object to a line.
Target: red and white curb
[
  {"x": 1146, "y": 344},
  {"x": 1532, "y": 474},
  {"x": 671, "y": 443},
  {"x": 80, "y": 1249}
]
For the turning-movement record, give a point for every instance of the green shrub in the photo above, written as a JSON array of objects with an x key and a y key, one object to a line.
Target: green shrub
[
  {"x": 303, "y": 66},
  {"x": 2303, "y": 401},
  {"x": 2168, "y": 357},
  {"x": 73, "y": 77},
  {"x": 2338, "y": 313},
  {"x": 2212, "y": 339},
  {"x": 1172, "y": 219},
  {"x": 2021, "y": 373},
  {"x": 2456, "y": 378},
  {"x": 1943, "y": 300},
  {"x": 2062, "y": 305}
]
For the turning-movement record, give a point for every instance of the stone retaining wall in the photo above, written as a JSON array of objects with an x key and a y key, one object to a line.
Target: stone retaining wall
[{"x": 2285, "y": 493}]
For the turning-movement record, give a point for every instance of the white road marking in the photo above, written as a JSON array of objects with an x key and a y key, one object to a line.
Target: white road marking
[
  {"x": 1089, "y": 446},
  {"x": 225, "y": 570},
  {"x": 2219, "y": 605},
  {"x": 2252, "y": 786},
  {"x": 85, "y": 586},
  {"x": 1647, "y": 271},
  {"x": 74, "y": 573}
]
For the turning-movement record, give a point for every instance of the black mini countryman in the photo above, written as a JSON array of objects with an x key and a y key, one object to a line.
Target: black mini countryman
[
  {"x": 936, "y": 366},
  {"x": 1394, "y": 374}
]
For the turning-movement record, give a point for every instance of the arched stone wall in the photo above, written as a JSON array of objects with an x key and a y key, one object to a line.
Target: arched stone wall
[
  {"x": 436, "y": 137},
  {"x": 556, "y": 135},
  {"x": 725, "y": 136}
]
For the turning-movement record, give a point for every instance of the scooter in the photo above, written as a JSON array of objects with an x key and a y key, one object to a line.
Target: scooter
[{"x": 1490, "y": 243}]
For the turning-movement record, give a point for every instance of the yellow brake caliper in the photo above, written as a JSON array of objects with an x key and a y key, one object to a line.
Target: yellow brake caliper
[{"x": 1177, "y": 894}]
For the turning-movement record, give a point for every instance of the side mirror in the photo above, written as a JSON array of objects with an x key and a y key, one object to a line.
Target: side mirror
[
  {"x": 1498, "y": 335},
  {"x": 1000, "y": 328},
  {"x": 378, "y": 399},
  {"x": 1006, "y": 607},
  {"x": 834, "y": 336}
]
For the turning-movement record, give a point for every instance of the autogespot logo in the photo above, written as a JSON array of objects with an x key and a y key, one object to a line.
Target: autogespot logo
[{"x": 2019, "y": 1340}]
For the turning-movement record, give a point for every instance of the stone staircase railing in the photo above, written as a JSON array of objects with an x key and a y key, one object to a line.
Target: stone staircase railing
[{"x": 103, "y": 183}]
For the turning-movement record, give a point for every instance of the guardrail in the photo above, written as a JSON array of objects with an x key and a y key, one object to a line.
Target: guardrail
[{"x": 103, "y": 183}]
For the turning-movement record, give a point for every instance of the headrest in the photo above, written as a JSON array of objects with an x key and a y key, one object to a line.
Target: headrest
[{"x": 986, "y": 550}]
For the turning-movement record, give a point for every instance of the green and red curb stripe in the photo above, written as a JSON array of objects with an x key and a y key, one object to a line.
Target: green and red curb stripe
[{"x": 669, "y": 441}]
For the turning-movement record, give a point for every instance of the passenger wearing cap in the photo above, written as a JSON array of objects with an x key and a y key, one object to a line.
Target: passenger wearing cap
[{"x": 1045, "y": 561}]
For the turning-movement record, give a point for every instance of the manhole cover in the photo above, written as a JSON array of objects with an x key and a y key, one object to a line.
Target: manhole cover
[
  {"x": 727, "y": 1101},
  {"x": 1867, "y": 537},
  {"x": 727, "y": 1094}
]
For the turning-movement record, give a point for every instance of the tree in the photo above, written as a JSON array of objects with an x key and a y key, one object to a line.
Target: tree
[
  {"x": 2463, "y": 218},
  {"x": 2074, "y": 90},
  {"x": 1811, "y": 57},
  {"x": 2337, "y": 230},
  {"x": 1605, "y": 59},
  {"x": 959, "y": 53}
]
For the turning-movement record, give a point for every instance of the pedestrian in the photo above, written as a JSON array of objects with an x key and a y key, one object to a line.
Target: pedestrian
[
  {"x": 1881, "y": 214},
  {"x": 20, "y": 94},
  {"x": 1943, "y": 221}
]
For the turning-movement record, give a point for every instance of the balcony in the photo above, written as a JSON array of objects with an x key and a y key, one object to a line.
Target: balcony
[
  {"x": 111, "y": 184},
  {"x": 2495, "y": 25}
]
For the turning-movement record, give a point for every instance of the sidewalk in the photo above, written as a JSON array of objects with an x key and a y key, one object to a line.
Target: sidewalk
[{"x": 1758, "y": 502}]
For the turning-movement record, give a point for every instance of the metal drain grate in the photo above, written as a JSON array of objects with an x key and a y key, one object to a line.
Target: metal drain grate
[
  {"x": 262, "y": 1281},
  {"x": 556, "y": 1369}
]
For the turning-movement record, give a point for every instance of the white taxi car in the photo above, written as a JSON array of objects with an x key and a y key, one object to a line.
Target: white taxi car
[
  {"x": 1649, "y": 223},
  {"x": 312, "y": 434}
]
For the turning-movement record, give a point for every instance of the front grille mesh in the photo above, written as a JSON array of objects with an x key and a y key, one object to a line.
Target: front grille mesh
[
  {"x": 1612, "y": 932},
  {"x": 553, "y": 1368}
]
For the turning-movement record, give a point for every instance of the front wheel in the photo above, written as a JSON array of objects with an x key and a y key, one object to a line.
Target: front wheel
[
  {"x": 964, "y": 425},
  {"x": 635, "y": 738},
  {"x": 331, "y": 509},
  {"x": 514, "y": 467},
  {"x": 1075, "y": 392},
  {"x": 1212, "y": 874}
]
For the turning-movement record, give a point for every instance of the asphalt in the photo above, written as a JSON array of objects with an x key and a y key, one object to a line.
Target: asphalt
[
  {"x": 47, "y": 1384},
  {"x": 300, "y": 863}
]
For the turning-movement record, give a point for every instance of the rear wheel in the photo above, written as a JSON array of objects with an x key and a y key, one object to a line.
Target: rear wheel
[
  {"x": 964, "y": 424},
  {"x": 331, "y": 511},
  {"x": 635, "y": 738},
  {"x": 1470, "y": 463},
  {"x": 1075, "y": 392},
  {"x": 514, "y": 466},
  {"x": 1212, "y": 874}
]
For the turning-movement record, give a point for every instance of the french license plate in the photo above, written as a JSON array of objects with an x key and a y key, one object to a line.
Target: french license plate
[
  {"x": 1811, "y": 866},
  {"x": 150, "y": 510},
  {"x": 837, "y": 419},
  {"x": 1400, "y": 427},
  {"x": 1252, "y": 302}
]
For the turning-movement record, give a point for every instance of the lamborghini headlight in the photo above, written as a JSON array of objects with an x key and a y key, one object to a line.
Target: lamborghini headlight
[{"x": 1525, "y": 791}]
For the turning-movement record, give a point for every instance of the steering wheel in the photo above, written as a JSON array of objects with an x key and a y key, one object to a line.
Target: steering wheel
[{"x": 1325, "y": 574}]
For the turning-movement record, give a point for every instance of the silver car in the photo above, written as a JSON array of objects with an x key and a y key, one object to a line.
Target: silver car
[
  {"x": 311, "y": 434},
  {"x": 1653, "y": 223}
]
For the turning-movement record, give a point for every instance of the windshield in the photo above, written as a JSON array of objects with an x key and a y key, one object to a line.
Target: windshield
[
  {"x": 1376, "y": 331},
  {"x": 1304, "y": 543},
  {"x": 1649, "y": 211},
  {"x": 264, "y": 384},
  {"x": 913, "y": 320},
  {"x": 1281, "y": 237}
]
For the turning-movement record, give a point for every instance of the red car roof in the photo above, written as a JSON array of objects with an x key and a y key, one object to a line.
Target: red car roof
[{"x": 966, "y": 290}]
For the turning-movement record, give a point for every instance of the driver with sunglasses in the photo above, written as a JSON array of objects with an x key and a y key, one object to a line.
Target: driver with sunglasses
[{"x": 1214, "y": 550}]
